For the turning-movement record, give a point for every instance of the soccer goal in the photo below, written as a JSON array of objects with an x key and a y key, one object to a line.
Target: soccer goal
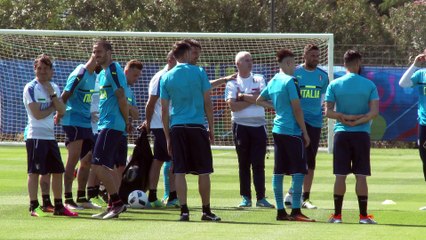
[{"x": 18, "y": 49}]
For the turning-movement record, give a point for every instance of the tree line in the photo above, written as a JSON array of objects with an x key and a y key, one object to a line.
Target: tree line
[{"x": 397, "y": 23}]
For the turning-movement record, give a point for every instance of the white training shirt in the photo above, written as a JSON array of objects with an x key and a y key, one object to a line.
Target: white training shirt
[
  {"x": 43, "y": 128},
  {"x": 253, "y": 115},
  {"x": 154, "y": 90}
]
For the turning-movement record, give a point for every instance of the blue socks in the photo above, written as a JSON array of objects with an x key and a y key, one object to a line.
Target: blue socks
[
  {"x": 296, "y": 185},
  {"x": 166, "y": 170},
  {"x": 277, "y": 186}
]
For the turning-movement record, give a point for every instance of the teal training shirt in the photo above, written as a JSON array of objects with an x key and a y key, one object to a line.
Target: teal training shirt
[
  {"x": 110, "y": 115},
  {"x": 313, "y": 85},
  {"x": 419, "y": 81},
  {"x": 184, "y": 86},
  {"x": 81, "y": 84},
  {"x": 281, "y": 90},
  {"x": 352, "y": 94}
]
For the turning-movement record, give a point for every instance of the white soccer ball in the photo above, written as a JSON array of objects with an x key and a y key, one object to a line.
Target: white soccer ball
[{"x": 138, "y": 199}]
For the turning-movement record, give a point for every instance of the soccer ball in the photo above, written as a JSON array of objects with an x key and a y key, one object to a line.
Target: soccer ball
[{"x": 138, "y": 199}]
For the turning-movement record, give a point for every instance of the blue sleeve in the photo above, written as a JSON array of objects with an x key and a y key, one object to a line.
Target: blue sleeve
[
  {"x": 293, "y": 90},
  {"x": 374, "y": 93},
  {"x": 74, "y": 79},
  {"x": 117, "y": 79},
  {"x": 205, "y": 81},
  {"x": 265, "y": 93},
  {"x": 417, "y": 77},
  {"x": 329, "y": 94},
  {"x": 325, "y": 81},
  {"x": 163, "y": 90},
  {"x": 133, "y": 100}
]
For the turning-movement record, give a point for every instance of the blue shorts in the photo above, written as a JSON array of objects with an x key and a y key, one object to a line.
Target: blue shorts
[
  {"x": 74, "y": 133},
  {"x": 121, "y": 153},
  {"x": 191, "y": 149},
  {"x": 314, "y": 134},
  {"x": 160, "y": 145},
  {"x": 289, "y": 154},
  {"x": 43, "y": 157},
  {"x": 351, "y": 153},
  {"x": 106, "y": 146}
]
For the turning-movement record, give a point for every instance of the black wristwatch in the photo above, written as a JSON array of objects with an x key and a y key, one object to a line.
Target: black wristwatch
[{"x": 53, "y": 96}]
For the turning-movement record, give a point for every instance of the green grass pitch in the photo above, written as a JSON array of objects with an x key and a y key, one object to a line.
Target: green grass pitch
[{"x": 396, "y": 175}]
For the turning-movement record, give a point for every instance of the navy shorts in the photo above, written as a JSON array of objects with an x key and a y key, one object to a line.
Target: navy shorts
[
  {"x": 314, "y": 134},
  {"x": 351, "y": 153},
  {"x": 191, "y": 149},
  {"x": 106, "y": 146},
  {"x": 121, "y": 153},
  {"x": 289, "y": 154},
  {"x": 43, "y": 157},
  {"x": 74, "y": 133},
  {"x": 160, "y": 145}
]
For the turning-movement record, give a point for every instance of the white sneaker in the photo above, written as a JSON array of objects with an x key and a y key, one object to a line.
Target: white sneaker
[
  {"x": 88, "y": 205},
  {"x": 73, "y": 206},
  {"x": 115, "y": 211},
  {"x": 422, "y": 208},
  {"x": 101, "y": 214},
  {"x": 288, "y": 200},
  {"x": 308, "y": 205}
]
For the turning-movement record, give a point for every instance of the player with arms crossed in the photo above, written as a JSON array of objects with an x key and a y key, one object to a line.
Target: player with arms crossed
[
  {"x": 414, "y": 77},
  {"x": 313, "y": 83},
  {"x": 187, "y": 89},
  {"x": 290, "y": 135},
  {"x": 249, "y": 130},
  {"x": 353, "y": 101},
  {"x": 41, "y": 103},
  {"x": 113, "y": 122}
]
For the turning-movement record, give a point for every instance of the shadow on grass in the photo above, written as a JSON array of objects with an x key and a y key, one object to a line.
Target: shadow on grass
[
  {"x": 127, "y": 216},
  {"x": 377, "y": 225}
]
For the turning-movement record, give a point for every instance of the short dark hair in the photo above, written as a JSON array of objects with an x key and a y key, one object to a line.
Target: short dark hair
[
  {"x": 193, "y": 42},
  {"x": 310, "y": 47},
  {"x": 105, "y": 44},
  {"x": 180, "y": 48},
  {"x": 284, "y": 53},
  {"x": 351, "y": 56},
  {"x": 134, "y": 64},
  {"x": 43, "y": 58}
]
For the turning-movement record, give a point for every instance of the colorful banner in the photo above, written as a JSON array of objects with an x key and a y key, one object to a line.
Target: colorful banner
[{"x": 398, "y": 106}]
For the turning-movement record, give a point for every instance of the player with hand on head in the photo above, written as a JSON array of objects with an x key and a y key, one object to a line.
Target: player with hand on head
[
  {"x": 187, "y": 89},
  {"x": 113, "y": 122},
  {"x": 416, "y": 78},
  {"x": 313, "y": 83},
  {"x": 41, "y": 102},
  {"x": 353, "y": 101},
  {"x": 289, "y": 133},
  {"x": 249, "y": 130},
  {"x": 76, "y": 123}
]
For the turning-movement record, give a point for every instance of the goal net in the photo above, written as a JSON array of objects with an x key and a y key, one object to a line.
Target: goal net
[{"x": 18, "y": 49}]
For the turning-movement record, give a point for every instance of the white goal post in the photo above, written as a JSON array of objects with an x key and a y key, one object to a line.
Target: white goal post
[{"x": 18, "y": 49}]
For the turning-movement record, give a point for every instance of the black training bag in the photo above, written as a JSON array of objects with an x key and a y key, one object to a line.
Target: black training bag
[{"x": 136, "y": 173}]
